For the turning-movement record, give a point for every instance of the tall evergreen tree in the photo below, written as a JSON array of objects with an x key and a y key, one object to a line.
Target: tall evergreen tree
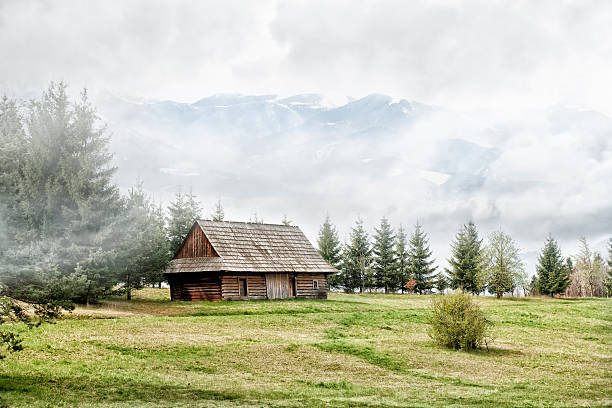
[
  {"x": 466, "y": 260},
  {"x": 401, "y": 257},
  {"x": 357, "y": 259},
  {"x": 218, "y": 214},
  {"x": 385, "y": 272},
  {"x": 503, "y": 264},
  {"x": 330, "y": 248},
  {"x": 533, "y": 286},
  {"x": 441, "y": 282},
  {"x": 550, "y": 269},
  {"x": 420, "y": 263},
  {"x": 58, "y": 195},
  {"x": 145, "y": 250},
  {"x": 183, "y": 212},
  {"x": 609, "y": 277},
  {"x": 285, "y": 220}
]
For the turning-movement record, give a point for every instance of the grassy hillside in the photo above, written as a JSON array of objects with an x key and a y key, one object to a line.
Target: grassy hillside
[{"x": 351, "y": 350}]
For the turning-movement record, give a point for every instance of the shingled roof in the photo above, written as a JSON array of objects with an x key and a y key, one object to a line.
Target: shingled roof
[{"x": 254, "y": 247}]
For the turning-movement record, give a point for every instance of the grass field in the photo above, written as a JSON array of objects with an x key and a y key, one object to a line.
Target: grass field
[{"x": 351, "y": 350}]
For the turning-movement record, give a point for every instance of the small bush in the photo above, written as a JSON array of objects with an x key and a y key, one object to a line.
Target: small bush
[{"x": 458, "y": 323}]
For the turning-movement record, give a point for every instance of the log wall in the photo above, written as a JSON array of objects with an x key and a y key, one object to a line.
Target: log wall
[
  {"x": 213, "y": 286},
  {"x": 195, "y": 286},
  {"x": 305, "y": 287},
  {"x": 196, "y": 245},
  {"x": 256, "y": 286}
]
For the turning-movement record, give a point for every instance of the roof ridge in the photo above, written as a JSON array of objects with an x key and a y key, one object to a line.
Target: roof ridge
[{"x": 247, "y": 223}]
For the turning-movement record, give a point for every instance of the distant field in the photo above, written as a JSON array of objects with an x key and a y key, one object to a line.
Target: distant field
[{"x": 348, "y": 351}]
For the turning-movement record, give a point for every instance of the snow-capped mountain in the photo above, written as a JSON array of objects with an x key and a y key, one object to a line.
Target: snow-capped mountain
[{"x": 370, "y": 157}]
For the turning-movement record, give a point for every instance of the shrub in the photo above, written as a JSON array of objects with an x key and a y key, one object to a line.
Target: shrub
[{"x": 458, "y": 323}]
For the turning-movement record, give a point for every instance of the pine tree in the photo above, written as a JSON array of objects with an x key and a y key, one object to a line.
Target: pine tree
[
  {"x": 329, "y": 243},
  {"x": 183, "y": 212},
  {"x": 218, "y": 214},
  {"x": 145, "y": 250},
  {"x": 357, "y": 259},
  {"x": 441, "y": 282},
  {"x": 419, "y": 260},
  {"x": 533, "y": 286},
  {"x": 58, "y": 195},
  {"x": 550, "y": 268},
  {"x": 285, "y": 220},
  {"x": 503, "y": 264},
  {"x": 466, "y": 261},
  {"x": 609, "y": 276},
  {"x": 401, "y": 258},
  {"x": 385, "y": 272}
]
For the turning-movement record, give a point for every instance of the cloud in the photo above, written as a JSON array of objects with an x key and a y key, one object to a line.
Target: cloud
[
  {"x": 460, "y": 54},
  {"x": 495, "y": 153}
]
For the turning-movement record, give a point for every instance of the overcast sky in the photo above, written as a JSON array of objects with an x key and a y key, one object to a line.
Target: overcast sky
[
  {"x": 498, "y": 58},
  {"x": 459, "y": 54}
]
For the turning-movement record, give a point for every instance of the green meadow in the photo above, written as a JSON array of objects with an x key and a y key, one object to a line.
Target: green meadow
[{"x": 368, "y": 350}]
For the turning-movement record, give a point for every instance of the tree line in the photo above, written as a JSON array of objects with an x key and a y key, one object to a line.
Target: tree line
[
  {"x": 392, "y": 261},
  {"x": 67, "y": 234}
]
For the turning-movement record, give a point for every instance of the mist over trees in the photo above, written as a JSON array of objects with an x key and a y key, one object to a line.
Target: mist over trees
[{"x": 182, "y": 213}]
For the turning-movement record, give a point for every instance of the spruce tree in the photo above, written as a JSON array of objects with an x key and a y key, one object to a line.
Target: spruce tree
[
  {"x": 357, "y": 259},
  {"x": 183, "y": 212},
  {"x": 609, "y": 276},
  {"x": 286, "y": 221},
  {"x": 329, "y": 243},
  {"x": 549, "y": 268},
  {"x": 466, "y": 260},
  {"x": 420, "y": 264},
  {"x": 533, "y": 286},
  {"x": 58, "y": 195},
  {"x": 145, "y": 249},
  {"x": 503, "y": 264},
  {"x": 401, "y": 258},
  {"x": 218, "y": 214},
  {"x": 441, "y": 282},
  {"x": 385, "y": 272}
]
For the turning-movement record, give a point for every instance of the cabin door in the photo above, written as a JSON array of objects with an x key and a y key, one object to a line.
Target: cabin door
[{"x": 278, "y": 285}]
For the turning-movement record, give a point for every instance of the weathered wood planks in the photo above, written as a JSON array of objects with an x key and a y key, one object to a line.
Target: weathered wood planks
[{"x": 196, "y": 245}]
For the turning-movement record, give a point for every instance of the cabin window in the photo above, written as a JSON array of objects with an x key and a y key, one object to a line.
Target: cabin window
[
  {"x": 315, "y": 284},
  {"x": 242, "y": 287}
]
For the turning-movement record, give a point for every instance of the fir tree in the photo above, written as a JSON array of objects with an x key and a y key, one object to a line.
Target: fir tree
[
  {"x": 58, "y": 195},
  {"x": 385, "y": 273},
  {"x": 401, "y": 258},
  {"x": 609, "y": 277},
  {"x": 533, "y": 286},
  {"x": 441, "y": 282},
  {"x": 357, "y": 259},
  {"x": 183, "y": 212},
  {"x": 550, "y": 268},
  {"x": 145, "y": 250},
  {"x": 503, "y": 264},
  {"x": 285, "y": 220},
  {"x": 419, "y": 260},
  {"x": 329, "y": 243},
  {"x": 218, "y": 214},
  {"x": 466, "y": 261}
]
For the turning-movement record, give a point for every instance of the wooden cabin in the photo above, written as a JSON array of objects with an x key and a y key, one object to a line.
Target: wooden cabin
[{"x": 222, "y": 260}]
